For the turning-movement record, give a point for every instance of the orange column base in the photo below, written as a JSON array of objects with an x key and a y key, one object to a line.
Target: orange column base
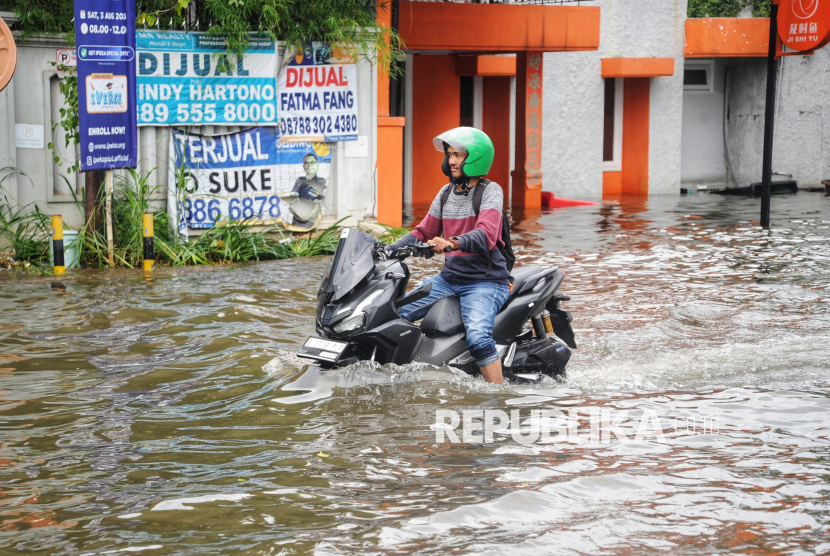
[
  {"x": 390, "y": 171},
  {"x": 527, "y": 196}
]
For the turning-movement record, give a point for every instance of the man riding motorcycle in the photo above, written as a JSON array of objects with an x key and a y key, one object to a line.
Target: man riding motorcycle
[{"x": 475, "y": 270}]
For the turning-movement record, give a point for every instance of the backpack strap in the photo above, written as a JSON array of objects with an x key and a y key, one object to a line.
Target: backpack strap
[
  {"x": 478, "y": 193},
  {"x": 444, "y": 196}
]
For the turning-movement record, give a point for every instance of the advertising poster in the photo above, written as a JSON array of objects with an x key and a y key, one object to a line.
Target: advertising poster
[
  {"x": 105, "y": 35},
  {"x": 189, "y": 79},
  {"x": 250, "y": 175},
  {"x": 317, "y": 96}
]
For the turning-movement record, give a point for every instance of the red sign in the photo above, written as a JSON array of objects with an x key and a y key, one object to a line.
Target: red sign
[
  {"x": 66, "y": 57},
  {"x": 533, "y": 124},
  {"x": 804, "y": 24}
]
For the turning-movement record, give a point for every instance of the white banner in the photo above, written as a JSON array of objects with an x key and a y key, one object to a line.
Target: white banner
[
  {"x": 188, "y": 79},
  {"x": 249, "y": 176},
  {"x": 317, "y": 97}
]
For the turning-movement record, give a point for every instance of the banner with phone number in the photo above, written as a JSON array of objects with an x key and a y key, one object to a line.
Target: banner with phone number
[
  {"x": 189, "y": 79},
  {"x": 250, "y": 176},
  {"x": 317, "y": 96}
]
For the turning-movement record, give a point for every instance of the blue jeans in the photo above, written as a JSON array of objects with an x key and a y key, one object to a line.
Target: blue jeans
[{"x": 480, "y": 302}]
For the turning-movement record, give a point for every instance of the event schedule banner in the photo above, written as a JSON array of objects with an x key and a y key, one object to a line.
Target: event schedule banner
[
  {"x": 249, "y": 176},
  {"x": 105, "y": 35},
  {"x": 190, "y": 79},
  {"x": 317, "y": 96}
]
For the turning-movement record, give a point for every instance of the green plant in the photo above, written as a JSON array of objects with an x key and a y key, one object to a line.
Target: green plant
[
  {"x": 309, "y": 245},
  {"x": 24, "y": 231},
  {"x": 42, "y": 16},
  {"x": 344, "y": 23},
  {"x": 726, "y": 8},
  {"x": 225, "y": 242},
  {"x": 131, "y": 199},
  {"x": 760, "y": 8},
  {"x": 69, "y": 116},
  {"x": 392, "y": 234}
]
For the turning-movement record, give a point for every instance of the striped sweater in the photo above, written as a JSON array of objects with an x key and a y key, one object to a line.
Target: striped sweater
[{"x": 478, "y": 237}]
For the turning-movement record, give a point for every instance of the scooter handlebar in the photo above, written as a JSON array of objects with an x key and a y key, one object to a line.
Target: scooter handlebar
[{"x": 417, "y": 249}]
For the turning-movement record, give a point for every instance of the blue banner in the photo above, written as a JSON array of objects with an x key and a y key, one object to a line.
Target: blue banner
[
  {"x": 105, "y": 35},
  {"x": 189, "y": 79},
  {"x": 250, "y": 176}
]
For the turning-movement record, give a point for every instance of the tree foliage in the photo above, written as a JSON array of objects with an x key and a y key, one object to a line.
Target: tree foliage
[
  {"x": 346, "y": 23},
  {"x": 727, "y": 8}
]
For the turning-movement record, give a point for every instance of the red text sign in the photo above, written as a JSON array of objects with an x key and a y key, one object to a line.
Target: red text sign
[{"x": 804, "y": 24}]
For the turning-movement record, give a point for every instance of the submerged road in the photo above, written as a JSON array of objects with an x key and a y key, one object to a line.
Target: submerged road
[{"x": 171, "y": 416}]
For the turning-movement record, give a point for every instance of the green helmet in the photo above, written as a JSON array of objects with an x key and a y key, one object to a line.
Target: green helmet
[{"x": 475, "y": 143}]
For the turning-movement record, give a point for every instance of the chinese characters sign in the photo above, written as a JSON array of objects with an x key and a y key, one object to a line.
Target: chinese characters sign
[
  {"x": 249, "y": 176},
  {"x": 189, "y": 79},
  {"x": 317, "y": 97},
  {"x": 105, "y": 35},
  {"x": 533, "y": 124},
  {"x": 804, "y": 24}
]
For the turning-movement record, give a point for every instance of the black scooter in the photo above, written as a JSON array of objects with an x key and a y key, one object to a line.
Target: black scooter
[{"x": 357, "y": 316}]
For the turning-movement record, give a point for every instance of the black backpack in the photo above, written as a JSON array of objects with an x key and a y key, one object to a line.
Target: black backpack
[{"x": 507, "y": 250}]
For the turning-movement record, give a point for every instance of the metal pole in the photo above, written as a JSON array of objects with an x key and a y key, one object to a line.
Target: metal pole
[
  {"x": 110, "y": 246},
  {"x": 57, "y": 245},
  {"x": 92, "y": 211},
  {"x": 769, "y": 117},
  {"x": 149, "y": 255}
]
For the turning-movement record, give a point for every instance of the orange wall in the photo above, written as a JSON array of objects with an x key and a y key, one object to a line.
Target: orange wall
[
  {"x": 713, "y": 37},
  {"x": 637, "y": 67},
  {"x": 635, "y": 136},
  {"x": 495, "y": 116},
  {"x": 436, "y": 107},
  {"x": 498, "y": 27}
]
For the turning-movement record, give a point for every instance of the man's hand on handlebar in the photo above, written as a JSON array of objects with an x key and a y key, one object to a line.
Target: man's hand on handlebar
[{"x": 441, "y": 245}]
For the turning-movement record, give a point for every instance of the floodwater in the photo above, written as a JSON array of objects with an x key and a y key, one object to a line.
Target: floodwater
[{"x": 170, "y": 416}]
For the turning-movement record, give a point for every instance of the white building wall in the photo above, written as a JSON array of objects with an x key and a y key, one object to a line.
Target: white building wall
[
  {"x": 703, "y": 153},
  {"x": 574, "y": 92},
  {"x": 32, "y": 97},
  {"x": 31, "y": 177},
  {"x": 802, "y": 122},
  {"x": 353, "y": 193},
  {"x": 572, "y": 125}
]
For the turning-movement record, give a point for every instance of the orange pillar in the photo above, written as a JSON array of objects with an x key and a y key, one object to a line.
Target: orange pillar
[
  {"x": 495, "y": 122},
  {"x": 390, "y": 171},
  {"x": 436, "y": 107},
  {"x": 527, "y": 175},
  {"x": 636, "y": 92},
  {"x": 389, "y": 136},
  {"x": 384, "y": 11}
]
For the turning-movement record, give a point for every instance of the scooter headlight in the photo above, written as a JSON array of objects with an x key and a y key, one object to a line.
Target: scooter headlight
[{"x": 354, "y": 322}]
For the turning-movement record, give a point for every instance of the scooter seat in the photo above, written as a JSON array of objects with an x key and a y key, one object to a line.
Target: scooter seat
[
  {"x": 521, "y": 274},
  {"x": 444, "y": 317}
]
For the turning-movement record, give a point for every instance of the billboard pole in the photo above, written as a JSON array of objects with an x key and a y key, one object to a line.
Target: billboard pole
[
  {"x": 108, "y": 207},
  {"x": 769, "y": 115}
]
